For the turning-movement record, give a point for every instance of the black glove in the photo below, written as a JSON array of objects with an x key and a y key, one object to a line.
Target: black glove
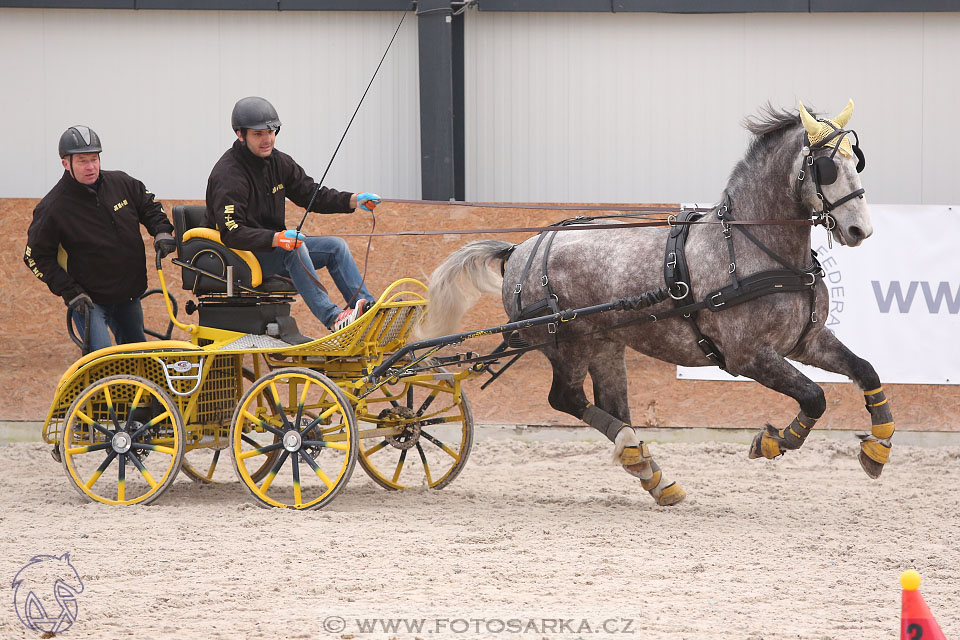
[
  {"x": 164, "y": 244},
  {"x": 80, "y": 303}
]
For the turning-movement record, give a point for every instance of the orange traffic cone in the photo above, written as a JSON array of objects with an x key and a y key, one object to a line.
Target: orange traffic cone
[{"x": 916, "y": 621}]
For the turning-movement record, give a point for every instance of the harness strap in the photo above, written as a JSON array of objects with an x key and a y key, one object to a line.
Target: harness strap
[
  {"x": 518, "y": 290},
  {"x": 676, "y": 275},
  {"x": 728, "y": 234}
]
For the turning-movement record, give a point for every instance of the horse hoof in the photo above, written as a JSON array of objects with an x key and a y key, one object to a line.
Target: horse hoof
[
  {"x": 871, "y": 467},
  {"x": 671, "y": 495},
  {"x": 874, "y": 453},
  {"x": 755, "y": 448},
  {"x": 766, "y": 444}
]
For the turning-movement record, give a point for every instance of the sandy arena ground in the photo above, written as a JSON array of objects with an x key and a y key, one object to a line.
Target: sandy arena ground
[{"x": 545, "y": 534}]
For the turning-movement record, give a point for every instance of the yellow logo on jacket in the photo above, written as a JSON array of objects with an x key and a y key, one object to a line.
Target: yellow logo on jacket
[
  {"x": 120, "y": 205},
  {"x": 279, "y": 187},
  {"x": 228, "y": 220}
]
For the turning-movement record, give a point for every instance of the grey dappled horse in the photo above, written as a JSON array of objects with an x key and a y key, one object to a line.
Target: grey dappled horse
[{"x": 785, "y": 176}]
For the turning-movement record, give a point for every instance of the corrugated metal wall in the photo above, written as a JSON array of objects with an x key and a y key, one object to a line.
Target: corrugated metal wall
[
  {"x": 643, "y": 107},
  {"x": 568, "y": 107},
  {"x": 158, "y": 86}
]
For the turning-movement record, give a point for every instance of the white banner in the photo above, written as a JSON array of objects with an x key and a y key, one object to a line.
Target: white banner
[{"x": 894, "y": 300}]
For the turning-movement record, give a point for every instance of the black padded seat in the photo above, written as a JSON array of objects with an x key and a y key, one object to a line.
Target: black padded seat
[{"x": 204, "y": 260}]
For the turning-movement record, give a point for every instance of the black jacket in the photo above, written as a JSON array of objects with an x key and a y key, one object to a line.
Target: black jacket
[
  {"x": 245, "y": 196},
  {"x": 100, "y": 231}
]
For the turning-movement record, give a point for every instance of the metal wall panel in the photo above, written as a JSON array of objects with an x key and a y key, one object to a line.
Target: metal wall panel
[
  {"x": 647, "y": 107},
  {"x": 159, "y": 87}
]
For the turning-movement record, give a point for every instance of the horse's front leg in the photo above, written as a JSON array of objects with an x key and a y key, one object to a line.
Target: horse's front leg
[
  {"x": 772, "y": 371},
  {"x": 824, "y": 350}
]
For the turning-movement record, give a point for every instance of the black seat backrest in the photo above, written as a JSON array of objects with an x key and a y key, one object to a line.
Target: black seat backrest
[{"x": 186, "y": 217}]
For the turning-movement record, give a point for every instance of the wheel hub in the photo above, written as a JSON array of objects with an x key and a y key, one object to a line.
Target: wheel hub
[
  {"x": 292, "y": 441},
  {"x": 410, "y": 436},
  {"x": 121, "y": 442}
]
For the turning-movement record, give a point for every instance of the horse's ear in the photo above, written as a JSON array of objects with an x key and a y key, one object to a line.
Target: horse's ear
[
  {"x": 809, "y": 122},
  {"x": 844, "y": 116}
]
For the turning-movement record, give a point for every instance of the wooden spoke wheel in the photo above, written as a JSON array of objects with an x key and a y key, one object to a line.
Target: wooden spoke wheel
[
  {"x": 306, "y": 420},
  {"x": 201, "y": 464},
  {"x": 429, "y": 434},
  {"x": 122, "y": 441}
]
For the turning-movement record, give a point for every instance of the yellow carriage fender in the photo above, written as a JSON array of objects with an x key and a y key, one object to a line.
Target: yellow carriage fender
[
  {"x": 256, "y": 274},
  {"x": 164, "y": 345}
]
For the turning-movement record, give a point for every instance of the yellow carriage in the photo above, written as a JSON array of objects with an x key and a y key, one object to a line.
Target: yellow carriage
[{"x": 296, "y": 418}]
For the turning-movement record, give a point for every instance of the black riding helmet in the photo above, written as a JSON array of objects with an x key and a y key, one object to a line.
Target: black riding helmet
[
  {"x": 254, "y": 113},
  {"x": 79, "y": 139}
]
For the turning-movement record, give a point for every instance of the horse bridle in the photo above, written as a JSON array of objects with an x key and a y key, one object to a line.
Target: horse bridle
[{"x": 824, "y": 171}]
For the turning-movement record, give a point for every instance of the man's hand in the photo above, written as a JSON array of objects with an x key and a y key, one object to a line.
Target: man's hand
[
  {"x": 368, "y": 201},
  {"x": 288, "y": 240},
  {"x": 164, "y": 244},
  {"x": 80, "y": 303}
]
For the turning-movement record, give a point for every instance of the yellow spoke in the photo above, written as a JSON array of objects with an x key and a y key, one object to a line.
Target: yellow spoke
[
  {"x": 342, "y": 446},
  {"x": 166, "y": 450},
  {"x": 453, "y": 454},
  {"x": 303, "y": 394},
  {"x": 323, "y": 476},
  {"x": 157, "y": 419},
  {"x": 276, "y": 394},
  {"x": 121, "y": 491},
  {"x": 252, "y": 452},
  {"x": 267, "y": 482},
  {"x": 329, "y": 412},
  {"x": 87, "y": 419},
  {"x": 297, "y": 499},
  {"x": 375, "y": 448},
  {"x": 107, "y": 398},
  {"x": 396, "y": 474},
  {"x": 136, "y": 398},
  {"x": 149, "y": 478},
  {"x": 93, "y": 479}
]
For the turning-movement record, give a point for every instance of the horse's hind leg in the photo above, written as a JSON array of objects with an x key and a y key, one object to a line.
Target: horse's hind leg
[
  {"x": 825, "y": 350},
  {"x": 772, "y": 371},
  {"x": 608, "y": 371},
  {"x": 611, "y": 414}
]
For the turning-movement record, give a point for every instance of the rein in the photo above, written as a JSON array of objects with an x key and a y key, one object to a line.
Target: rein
[{"x": 580, "y": 223}]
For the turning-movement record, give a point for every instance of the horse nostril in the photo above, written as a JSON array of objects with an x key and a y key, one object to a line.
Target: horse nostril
[{"x": 856, "y": 233}]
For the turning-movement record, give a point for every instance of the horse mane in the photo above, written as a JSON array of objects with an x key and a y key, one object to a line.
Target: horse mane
[
  {"x": 771, "y": 119},
  {"x": 768, "y": 127}
]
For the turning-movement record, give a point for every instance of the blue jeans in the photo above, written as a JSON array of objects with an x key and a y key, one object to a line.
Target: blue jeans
[
  {"x": 319, "y": 251},
  {"x": 125, "y": 320}
]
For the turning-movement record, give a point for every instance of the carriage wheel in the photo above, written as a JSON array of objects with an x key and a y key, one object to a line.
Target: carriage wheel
[
  {"x": 436, "y": 434},
  {"x": 305, "y": 418},
  {"x": 117, "y": 425},
  {"x": 201, "y": 464}
]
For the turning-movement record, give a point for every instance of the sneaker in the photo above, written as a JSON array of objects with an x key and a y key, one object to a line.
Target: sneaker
[{"x": 347, "y": 316}]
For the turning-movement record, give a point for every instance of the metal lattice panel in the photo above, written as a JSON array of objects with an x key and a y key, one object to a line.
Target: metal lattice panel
[
  {"x": 220, "y": 391},
  {"x": 253, "y": 341}
]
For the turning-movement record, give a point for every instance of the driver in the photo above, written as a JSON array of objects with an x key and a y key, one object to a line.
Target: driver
[
  {"x": 84, "y": 241},
  {"x": 246, "y": 195}
]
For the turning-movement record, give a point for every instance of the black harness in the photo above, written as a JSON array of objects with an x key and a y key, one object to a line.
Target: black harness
[{"x": 676, "y": 274}]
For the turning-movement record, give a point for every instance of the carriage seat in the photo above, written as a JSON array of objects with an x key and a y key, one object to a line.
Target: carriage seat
[
  {"x": 200, "y": 247},
  {"x": 257, "y": 303}
]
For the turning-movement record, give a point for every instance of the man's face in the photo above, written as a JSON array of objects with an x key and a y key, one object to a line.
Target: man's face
[
  {"x": 259, "y": 141},
  {"x": 84, "y": 167}
]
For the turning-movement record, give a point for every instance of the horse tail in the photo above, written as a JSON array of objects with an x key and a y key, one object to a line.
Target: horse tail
[{"x": 457, "y": 284}]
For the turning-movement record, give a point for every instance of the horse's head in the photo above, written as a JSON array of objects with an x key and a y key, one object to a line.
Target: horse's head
[{"x": 831, "y": 164}]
